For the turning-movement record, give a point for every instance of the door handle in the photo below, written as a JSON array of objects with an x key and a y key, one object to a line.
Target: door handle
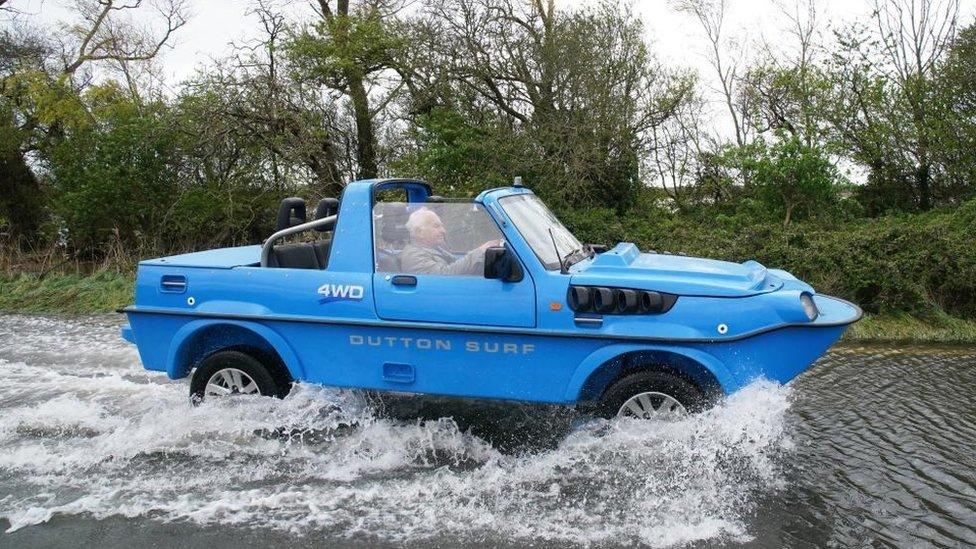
[
  {"x": 173, "y": 283},
  {"x": 404, "y": 280}
]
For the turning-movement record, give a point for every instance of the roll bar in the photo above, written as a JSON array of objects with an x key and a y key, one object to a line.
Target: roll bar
[{"x": 324, "y": 223}]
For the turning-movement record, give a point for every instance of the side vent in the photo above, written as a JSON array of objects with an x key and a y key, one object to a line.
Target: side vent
[{"x": 619, "y": 301}]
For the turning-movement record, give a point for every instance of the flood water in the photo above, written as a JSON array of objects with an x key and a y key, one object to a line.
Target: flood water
[{"x": 875, "y": 446}]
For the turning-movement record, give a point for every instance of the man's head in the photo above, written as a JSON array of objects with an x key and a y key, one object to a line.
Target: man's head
[{"x": 426, "y": 228}]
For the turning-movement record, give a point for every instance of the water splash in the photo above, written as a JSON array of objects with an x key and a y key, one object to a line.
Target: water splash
[{"x": 86, "y": 431}]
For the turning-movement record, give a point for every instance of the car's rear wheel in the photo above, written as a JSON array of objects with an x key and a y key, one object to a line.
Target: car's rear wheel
[
  {"x": 653, "y": 395},
  {"x": 232, "y": 373}
]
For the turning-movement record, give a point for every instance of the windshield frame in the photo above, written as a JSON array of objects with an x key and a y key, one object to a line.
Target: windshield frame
[{"x": 542, "y": 246}]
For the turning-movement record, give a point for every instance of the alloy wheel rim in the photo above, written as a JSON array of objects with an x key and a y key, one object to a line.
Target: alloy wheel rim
[
  {"x": 231, "y": 381},
  {"x": 652, "y": 405}
]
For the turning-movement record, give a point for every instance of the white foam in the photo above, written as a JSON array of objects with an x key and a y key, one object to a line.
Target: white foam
[{"x": 105, "y": 438}]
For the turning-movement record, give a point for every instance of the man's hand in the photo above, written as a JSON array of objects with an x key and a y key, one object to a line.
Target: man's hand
[{"x": 490, "y": 244}]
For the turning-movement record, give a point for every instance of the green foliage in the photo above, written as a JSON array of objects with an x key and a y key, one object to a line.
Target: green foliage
[
  {"x": 110, "y": 178},
  {"x": 903, "y": 328},
  {"x": 346, "y": 46},
  {"x": 957, "y": 127},
  {"x": 922, "y": 264},
  {"x": 127, "y": 181},
  {"x": 792, "y": 180},
  {"x": 904, "y": 120},
  {"x": 460, "y": 158}
]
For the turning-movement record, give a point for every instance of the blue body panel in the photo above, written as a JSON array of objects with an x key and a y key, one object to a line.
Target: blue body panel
[
  {"x": 455, "y": 300},
  {"x": 625, "y": 266},
  {"x": 222, "y": 258},
  {"x": 476, "y": 337}
]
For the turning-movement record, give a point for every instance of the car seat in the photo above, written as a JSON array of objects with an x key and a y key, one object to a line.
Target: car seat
[
  {"x": 393, "y": 232},
  {"x": 302, "y": 255}
]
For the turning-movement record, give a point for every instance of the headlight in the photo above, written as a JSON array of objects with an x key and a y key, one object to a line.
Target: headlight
[{"x": 809, "y": 307}]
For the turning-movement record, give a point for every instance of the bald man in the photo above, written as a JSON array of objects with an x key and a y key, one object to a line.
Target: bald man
[{"x": 426, "y": 254}]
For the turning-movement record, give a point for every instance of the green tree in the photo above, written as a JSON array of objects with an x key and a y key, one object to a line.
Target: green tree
[
  {"x": 885, "y": 105},
  {"x": 957, "y": 129},
  {"x": 41, "y": 83},
  {"x": 568, "y": 98},
  {"x": 794, "y": 180},
  {"x": 346, "y": 51},
  {"x": 22, "y": 57},
  {"x": 113, "y": 177},
  {"x": 461, "y": 156},
  {"x": 136, "y": 178}
]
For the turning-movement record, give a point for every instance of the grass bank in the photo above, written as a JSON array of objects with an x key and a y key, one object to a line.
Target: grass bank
[
  {"x": 106, "y": 291},
  {"x": 99, "y": 292},
  {"x": 902, "y": 328}
]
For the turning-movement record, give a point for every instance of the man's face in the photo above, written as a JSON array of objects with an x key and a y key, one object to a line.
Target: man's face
[{"x": 431, "y": 232}]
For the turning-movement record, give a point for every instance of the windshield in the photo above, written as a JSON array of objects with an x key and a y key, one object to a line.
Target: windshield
[{"x": 534, "y": 220}]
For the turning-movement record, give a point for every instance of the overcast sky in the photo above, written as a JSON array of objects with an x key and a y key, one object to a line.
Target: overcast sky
[{"x": 676, "y": 38}]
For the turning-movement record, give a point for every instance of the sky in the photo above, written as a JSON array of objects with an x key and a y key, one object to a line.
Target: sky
[{"x": 675, "y": 38}]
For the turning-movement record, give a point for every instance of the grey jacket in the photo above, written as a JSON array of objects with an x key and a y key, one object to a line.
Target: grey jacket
[{"x": 419, "y": 259}]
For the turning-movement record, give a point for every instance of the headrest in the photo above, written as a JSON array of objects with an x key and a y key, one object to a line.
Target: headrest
[
  {"x": 325, "y": 208},
  {"x": 395, "y": 217},
  {"x": 291, "y": 212}
]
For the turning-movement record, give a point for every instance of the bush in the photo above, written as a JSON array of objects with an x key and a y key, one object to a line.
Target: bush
[
  {"x": 922, "y": 264},
  {"x": 109, "y": 179},
  {"x": 789, "y": 180},
  {"x": 133, "y": 180}
]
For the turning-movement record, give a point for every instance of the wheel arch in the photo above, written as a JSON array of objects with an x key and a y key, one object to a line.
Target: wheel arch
[
  {"x": 200, "y": 338},
  {"x": 605, "y": 365}
]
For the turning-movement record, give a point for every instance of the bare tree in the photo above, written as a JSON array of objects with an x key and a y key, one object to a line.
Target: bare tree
[
  {"x": 782, "y": 86},
  {"x": 803, "y": 24},
  {"x": 724, "y": 56},
  {"x": 678, "y": 146},
  {"x": 915, "y": 34},
  {"x": 106, "y": 33},
  {"x": 885, "y": 103},
  {"x": 257, "y": 107},
  {"x": 9, "y": 10}
]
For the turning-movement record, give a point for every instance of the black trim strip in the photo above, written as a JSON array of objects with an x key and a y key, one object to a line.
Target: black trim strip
[{"x": 489, "y": 329}]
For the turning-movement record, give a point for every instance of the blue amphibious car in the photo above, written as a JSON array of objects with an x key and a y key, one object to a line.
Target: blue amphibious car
[{"x": 394, "y": 289}]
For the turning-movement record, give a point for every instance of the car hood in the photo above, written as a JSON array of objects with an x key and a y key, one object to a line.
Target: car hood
[{"x": 625, "y": 266}]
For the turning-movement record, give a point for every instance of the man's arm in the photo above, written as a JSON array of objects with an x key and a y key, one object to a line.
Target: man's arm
[{"x": 420, "y": 261}]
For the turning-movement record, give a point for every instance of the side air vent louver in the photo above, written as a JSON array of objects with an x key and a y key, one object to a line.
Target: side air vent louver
[
  {"x": 626, "y": 301},
  {"x": 621, "y": 301},
  {"x": 580, "y": 298},
  {"x": 604, "y": 300}
]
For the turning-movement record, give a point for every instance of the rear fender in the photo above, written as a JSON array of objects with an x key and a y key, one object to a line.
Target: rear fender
[
  {"x": 601, "y": 366},
  {"x": 201, "y": 337}
]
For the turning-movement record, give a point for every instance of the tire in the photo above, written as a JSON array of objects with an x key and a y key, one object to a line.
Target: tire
[
  {"x": 658, "y": 382},
  {"x": 219, "y": 368}
]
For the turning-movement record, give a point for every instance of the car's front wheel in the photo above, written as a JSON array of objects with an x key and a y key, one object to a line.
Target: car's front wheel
[
  {"x": 229, "y": 373},
  {"x": 652, "y": 394}
]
